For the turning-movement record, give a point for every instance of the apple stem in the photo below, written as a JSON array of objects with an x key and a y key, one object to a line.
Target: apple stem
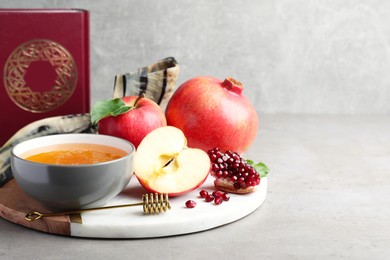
[
  {"x": 141, "y": 95},
  {"x": 233, "y": 85}
]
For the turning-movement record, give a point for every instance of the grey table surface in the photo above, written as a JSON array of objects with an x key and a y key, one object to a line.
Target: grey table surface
[{"x": 328, "y": 198}]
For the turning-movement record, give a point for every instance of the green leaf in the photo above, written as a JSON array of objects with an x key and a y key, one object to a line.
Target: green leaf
[
  {"x": 260, "y": 167},
  {"x": 105, "y": 108},
  {"x": 250, "y": 162}
]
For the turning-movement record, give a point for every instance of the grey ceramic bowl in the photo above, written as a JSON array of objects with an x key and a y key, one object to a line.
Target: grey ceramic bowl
[{"x": 72, "y": 186}]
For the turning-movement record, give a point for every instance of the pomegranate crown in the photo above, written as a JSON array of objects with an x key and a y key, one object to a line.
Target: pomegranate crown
[{"x": 233, "y": 85}]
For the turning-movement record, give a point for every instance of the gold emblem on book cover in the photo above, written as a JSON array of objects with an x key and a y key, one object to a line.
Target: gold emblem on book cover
[{"x": 57, "y": 70}]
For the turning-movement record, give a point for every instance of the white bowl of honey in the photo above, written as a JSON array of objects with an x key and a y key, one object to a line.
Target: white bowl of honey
[{"x": 73, "y": 171}]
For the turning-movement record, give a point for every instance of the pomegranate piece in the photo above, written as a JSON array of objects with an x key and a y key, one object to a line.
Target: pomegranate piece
[{"x": 232, "y": 172}]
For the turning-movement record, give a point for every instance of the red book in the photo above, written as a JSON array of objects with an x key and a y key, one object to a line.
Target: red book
[{"x": 44, "y": 64}]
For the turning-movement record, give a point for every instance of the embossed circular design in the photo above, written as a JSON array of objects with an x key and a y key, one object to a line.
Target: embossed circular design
[{"x": 18, "y": 64}]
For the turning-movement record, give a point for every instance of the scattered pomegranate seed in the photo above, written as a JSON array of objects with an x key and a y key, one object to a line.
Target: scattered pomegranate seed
[
  {"x": 225, "y": 196},
  {"x": 209, "y": 198},
  {"x": 203, "y": 193},
  {"x": 217, "y": 196},
  {"x": 218, "y": 200},
  {"x": 190, "y": 204},
  {"x": 217, "y": 193}
]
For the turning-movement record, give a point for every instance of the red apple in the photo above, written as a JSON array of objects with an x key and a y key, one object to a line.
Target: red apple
[
  {"x": 213, "y": 113},
  {"x": 143, "y": 116},
  {"x": 164, "y": 164}
]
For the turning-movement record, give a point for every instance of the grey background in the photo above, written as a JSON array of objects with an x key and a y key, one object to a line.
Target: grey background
[{"x": 328, "y": 57}]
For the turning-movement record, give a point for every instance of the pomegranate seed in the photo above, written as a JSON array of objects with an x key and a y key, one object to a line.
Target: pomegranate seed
[
  {"x": 218, "y": 200},
  {"x": 213, "y": 157},
  {"x": 190, "y": 204},
  {"x": 219, "y": 174},
  {"x": 226, "y": 196},
  {"x": 217, "y": 193},
  {"x": 203, "y": 193},
  {"x": 209, "y": 198},
  {"x": 229, "y": 153},
  {"x": 225, "y": 174}
]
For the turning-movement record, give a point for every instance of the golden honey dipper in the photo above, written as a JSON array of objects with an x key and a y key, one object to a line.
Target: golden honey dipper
[{"x": 152, "y": 203}]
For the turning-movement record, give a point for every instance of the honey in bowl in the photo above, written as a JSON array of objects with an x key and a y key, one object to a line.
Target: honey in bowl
[{"x": 74, "y": 154}]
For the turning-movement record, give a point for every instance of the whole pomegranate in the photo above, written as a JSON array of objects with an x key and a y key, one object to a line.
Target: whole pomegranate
[{"x": 213, "y": 113}]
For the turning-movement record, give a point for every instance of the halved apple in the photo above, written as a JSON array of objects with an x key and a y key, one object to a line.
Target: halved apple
[{"x": 163, "y": 163}]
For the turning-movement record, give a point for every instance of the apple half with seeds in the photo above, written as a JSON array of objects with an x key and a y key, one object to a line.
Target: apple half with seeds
[{"x": 164, "y": 164}]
